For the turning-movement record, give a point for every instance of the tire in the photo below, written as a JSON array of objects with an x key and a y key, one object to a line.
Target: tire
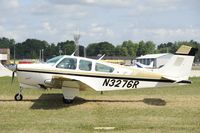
[
  {"x": 18, "y": 97},
  {"x": 68, "y": 101}
]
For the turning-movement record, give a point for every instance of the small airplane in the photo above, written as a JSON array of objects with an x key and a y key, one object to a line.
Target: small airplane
[{"x": 73, "y": 74}]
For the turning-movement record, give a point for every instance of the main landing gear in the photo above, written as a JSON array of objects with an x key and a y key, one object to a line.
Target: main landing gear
[
  {"x": 18, "y": 96},
  {"x": 68, "y": 101},
  {"x": 69, "y": 94}
]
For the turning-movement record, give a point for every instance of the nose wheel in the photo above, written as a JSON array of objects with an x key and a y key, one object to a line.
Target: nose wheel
[{"x": 18, "y": 96}]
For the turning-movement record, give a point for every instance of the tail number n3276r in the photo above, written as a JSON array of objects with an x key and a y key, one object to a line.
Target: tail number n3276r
[{"x": 120, "y": 83}]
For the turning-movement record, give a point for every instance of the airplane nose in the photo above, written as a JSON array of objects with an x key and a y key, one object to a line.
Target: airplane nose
[{"x": 12, "y": 67}]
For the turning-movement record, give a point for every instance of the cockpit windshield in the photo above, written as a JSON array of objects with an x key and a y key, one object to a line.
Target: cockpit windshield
[{"x": 53, "y": 61}]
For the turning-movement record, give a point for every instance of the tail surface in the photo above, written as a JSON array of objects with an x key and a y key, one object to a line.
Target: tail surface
[{"x": 179, "y": 66}]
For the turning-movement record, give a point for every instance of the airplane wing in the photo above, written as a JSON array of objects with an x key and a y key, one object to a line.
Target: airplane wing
[{"x": 60, "y": 81}]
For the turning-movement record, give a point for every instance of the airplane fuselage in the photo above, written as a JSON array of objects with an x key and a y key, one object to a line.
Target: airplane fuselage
[
  {"x": 121, "y": 77},
  {"x": 71, "y": 74}
]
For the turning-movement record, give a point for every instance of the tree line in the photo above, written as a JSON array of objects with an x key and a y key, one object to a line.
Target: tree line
[{"x": 30, "y": 48}]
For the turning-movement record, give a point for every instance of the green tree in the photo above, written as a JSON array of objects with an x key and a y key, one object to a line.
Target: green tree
[
  {"x": 150, "y": 47},
  {"x": 67, "y": 47},
  {"x": 118, "y": 50},
  {"x": 131, "y": 47},
  {"x": 7, "y": 43},
  {"x": 167, "y": 47},
  {"x": 30, "y": 48},
  {"x": 141, "y": 48},
  {"x": 91, "y": 49},
  {"x": 121, "y": 51},
  {"x": 145, "y": 48},
  {"x": 124, "y": 51},
  {"x": 106, "y": 48},
  {"x": 100, "y": 48},
  {"x": 51, "y": 51}
]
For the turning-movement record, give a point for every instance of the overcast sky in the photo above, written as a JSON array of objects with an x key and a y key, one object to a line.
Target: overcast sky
[{"x": 101, "y": 20}]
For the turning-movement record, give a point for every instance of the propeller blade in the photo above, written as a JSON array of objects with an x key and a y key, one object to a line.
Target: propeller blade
[{"x": 13, "y": 76}]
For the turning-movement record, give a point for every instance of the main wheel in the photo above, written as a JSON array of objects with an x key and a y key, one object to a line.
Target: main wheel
[
  {"x": 67, "y": 101},
  {"x": 18, "y": 97}
]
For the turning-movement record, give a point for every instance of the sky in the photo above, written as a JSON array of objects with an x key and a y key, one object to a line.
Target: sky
[{"x": 114, "y": 21}]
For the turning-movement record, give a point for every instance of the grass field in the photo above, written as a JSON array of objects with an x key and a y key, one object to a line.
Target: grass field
[{"x": 169, "y": 109}]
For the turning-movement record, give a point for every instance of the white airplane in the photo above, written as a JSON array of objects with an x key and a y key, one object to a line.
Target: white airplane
[{"x": 73, "y": 74}]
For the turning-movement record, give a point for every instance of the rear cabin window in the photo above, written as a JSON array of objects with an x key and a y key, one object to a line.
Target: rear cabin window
[
  {"x": 103, "y": 68},
  {"x": 68, "y": 63},
  {"x": 85, "y": 65}
]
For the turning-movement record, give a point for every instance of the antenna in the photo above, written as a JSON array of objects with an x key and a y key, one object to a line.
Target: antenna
[
  {"x": 76, "y": 40},
  {"x": 74, "y": 52},
  {"x": 101, "y": 57}
]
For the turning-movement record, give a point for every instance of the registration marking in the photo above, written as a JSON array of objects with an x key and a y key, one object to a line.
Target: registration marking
[{"x": 120, "y": 83}]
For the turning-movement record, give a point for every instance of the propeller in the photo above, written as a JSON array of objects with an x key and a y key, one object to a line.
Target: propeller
[{"x": 14, "y": 69}]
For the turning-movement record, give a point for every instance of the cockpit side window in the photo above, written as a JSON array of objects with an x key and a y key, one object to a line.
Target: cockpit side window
[
  {"x": 85, "y": 65},
  {"x": 68, "y": 63},
  {"x": 103, "y": 68}
]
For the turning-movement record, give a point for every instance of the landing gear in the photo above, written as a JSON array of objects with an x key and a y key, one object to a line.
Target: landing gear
[
  {"x": 69, "y": 94},
  {"x": 18, "y": 96},
  {"x": 68, "y": 101}
]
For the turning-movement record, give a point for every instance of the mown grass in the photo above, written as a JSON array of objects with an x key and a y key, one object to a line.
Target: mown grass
[{"x": 170, "y": 109}]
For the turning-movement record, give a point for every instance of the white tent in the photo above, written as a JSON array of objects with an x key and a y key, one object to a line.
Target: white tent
[{"x": 4, "y": 71}]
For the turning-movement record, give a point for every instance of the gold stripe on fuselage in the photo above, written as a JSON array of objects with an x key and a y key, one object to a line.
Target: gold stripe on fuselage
[{"x": 135, "y": 73}]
